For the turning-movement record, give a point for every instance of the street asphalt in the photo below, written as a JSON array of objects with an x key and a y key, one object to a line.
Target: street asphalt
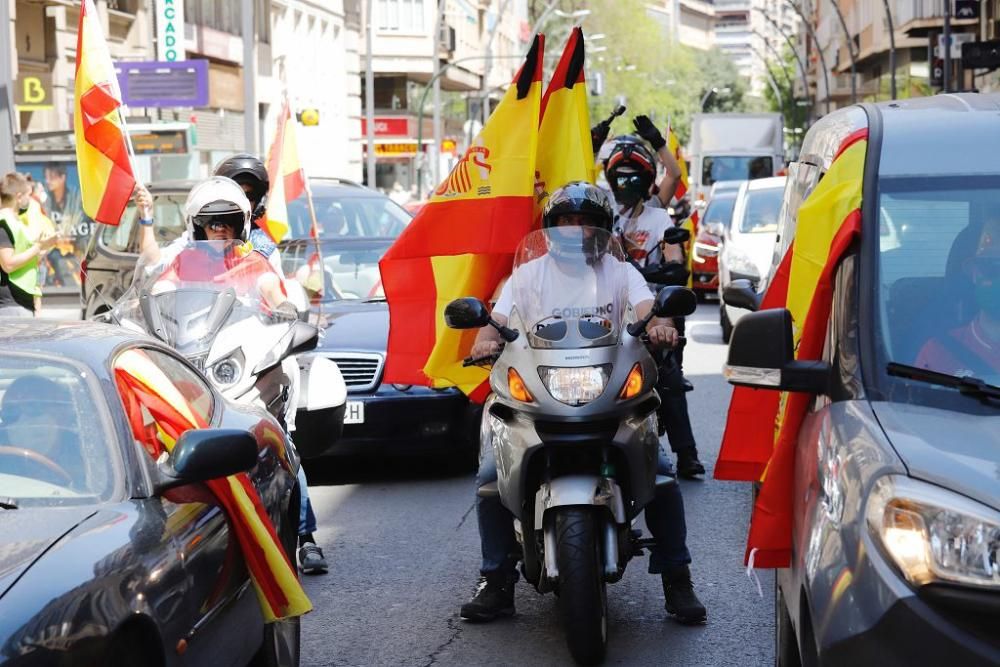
[{"x": 403, "y": 548}]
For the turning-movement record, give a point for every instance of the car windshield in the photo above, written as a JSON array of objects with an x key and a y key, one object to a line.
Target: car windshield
[
  {"x": 760, "y": 214},
  {"x": 358, "y": 214},
  {"x": 720, "y": 209},
  {"x": 349, "y": 267},
  {"x": 585, "y": 295},
  {"x": 735, "y": 168},
  {"x": 939, "y": 280},
  {"x": 54, "y": 443}
]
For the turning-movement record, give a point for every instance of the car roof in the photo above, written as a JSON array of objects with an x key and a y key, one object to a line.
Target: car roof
[
  {"x": 89, "y": 342},
  {"x": 766, "y": 183},
  {"x": 329, "y": 184},
  {"x": 726, "y": 185}
]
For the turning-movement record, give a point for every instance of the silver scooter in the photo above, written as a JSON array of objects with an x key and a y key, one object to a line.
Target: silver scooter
[{"x": 572, "y": 419}]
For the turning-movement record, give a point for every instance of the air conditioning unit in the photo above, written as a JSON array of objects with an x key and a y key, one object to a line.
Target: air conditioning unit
[{"x": 446, "y": 38}]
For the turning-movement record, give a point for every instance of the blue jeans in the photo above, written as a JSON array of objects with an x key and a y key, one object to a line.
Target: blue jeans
[
  {"x": 664, "y": 517},
  {"x": 307, "y": 519}
]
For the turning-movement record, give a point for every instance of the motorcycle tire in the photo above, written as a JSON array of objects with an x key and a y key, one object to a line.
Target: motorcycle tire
[{"x": 583, "y": 602}]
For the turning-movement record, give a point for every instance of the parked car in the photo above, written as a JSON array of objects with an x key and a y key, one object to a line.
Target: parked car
[
  {"x": 896, "y": 504},
  {"x": 748, "y": 241},
  {"x": 714, "y": 219},
  {"x": 110, "y": 557},
  {"x": 380, "y": 418}
]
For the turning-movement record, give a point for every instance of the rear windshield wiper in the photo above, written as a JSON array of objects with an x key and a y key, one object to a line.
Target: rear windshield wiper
[
  {"x": 8, "y": 504},
  {"x": 969, "y": 386}
]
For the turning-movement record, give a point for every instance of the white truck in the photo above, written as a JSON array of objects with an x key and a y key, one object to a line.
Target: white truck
[{"x": 734, "y": 147}]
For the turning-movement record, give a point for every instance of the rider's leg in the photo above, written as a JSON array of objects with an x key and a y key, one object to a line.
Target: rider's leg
[
  {"x": 495, "y": 593},
  {"x": 673, "y": 414},
  {"x": 311, "y": 559},
  {"x": 670, "y": 557}
]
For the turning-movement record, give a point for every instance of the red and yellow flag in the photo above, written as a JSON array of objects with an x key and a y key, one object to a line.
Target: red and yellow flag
[
  {"x": 674, "y": 146},
  {"x": 763, "y": 427},
  {"x": 284, "y": 170},
  {"x": 142, "y": 384},
  {"x": 106, "y": 176},
  {"x": 565, "y": 152},
  {"x": 462, "y": 242}
]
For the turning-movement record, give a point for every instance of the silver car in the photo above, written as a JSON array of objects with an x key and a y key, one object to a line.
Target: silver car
[{"x": 895, "y": 507}]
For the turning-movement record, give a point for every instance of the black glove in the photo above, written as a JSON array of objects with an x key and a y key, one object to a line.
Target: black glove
[
  {"x": 645, "y": 129},
  {"x": 599, "y": 134},
  {"x": 285, "y": 312}
]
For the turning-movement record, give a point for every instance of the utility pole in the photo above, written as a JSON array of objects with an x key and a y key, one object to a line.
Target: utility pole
[
  {"x": 892, "y": 49},
  {"x": 370, "y": 97},
  {"x": 6, "y": 91},
  {"x": 249, "y": 78},
  {"x": 947, "y": 46},
  {"x": 434, "y": 154}
]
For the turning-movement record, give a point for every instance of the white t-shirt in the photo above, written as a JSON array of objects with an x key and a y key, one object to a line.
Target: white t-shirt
[
  {"x": 174, "y": 248},
  {"x": 555, "y": 292},
  {"x": 644, "y": 232}
]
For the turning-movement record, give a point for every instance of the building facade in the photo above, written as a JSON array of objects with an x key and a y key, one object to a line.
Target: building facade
[
  {"x": 751, "y": 32},
  {"x": 694, "y": 25}
]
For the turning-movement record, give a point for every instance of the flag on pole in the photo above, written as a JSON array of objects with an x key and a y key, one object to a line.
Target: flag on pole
[
  {"x": 107, "y": 178},
  {"x": 462, "y": 242},
  {"x": 284, "y": 171},
  {"x": 674, "y": 146},
  {"x": 565, "y": 151},
  {"x": 146, "y": 390},
  {"x": 761, "y": 440}
]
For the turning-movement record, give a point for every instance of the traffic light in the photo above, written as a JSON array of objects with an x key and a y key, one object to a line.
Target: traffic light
[{"x": 308, "y": 117}]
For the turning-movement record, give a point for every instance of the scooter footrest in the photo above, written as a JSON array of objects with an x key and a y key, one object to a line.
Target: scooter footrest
[{"x": 488, "y": 490}]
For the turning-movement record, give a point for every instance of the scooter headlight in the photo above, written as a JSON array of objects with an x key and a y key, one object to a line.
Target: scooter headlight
[
  {"x": 575, "y": 386},
  {"x": 228, "y": 371}
]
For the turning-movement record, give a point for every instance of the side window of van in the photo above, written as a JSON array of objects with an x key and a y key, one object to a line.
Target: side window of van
[{"x": 802, "y": 180}]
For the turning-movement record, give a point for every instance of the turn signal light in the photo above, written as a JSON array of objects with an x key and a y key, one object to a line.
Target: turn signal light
[
  {"x": 516, "y": 386},
  {"x": 633, "y": 384}
]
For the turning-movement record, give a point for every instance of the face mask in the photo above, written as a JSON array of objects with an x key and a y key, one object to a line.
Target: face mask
[
  {"x": 988, "y": 298},
  {"x": 629, "y": 189}
]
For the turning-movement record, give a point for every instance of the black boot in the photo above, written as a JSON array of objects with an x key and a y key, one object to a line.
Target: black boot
[
  {"x": 688, "y": 465},
  {"x": 494, "y": 597},
  {"x": 678, "y": 591}
]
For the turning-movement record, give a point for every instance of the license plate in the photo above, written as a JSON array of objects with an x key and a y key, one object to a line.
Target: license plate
[{"x": 355, "y": 413}]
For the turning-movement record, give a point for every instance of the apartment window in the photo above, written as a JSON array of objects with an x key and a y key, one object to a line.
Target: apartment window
[
  {"x": 225, "y": 15},
  {"x": 400, "y": 15}
]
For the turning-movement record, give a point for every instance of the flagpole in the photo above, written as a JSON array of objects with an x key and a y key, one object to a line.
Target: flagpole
[{"x": 131, "y": 149}]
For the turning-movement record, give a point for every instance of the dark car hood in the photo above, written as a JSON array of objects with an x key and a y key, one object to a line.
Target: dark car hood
[
  {"x": 356, "y": 325},
  {"x": 960, "y": 452},
  {"x": 26, "y": 534}
]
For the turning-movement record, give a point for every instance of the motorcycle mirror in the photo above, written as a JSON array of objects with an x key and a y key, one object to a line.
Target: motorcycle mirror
[
  {"x": 466, "y": 313},
  {"x": 676, "y": 235},
  {"x": 674, "y": 301},
  {"x": 305, "y": 337}
]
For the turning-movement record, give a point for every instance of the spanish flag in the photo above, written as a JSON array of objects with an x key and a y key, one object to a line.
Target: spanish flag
[
  {"x": 106, "y": 176},
  {"x": 674, "y": 146},
  {"x": 565, "y": 152},
  {"x": 763, "y": 427},
  {"x": 146, "y": 390},
  {"x": 462, "y": 242},
  {"x": 284, "y": 170}
]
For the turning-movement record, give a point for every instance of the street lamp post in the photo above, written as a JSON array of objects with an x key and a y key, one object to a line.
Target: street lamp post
[
  {"x": 713, "y": 91},
  {"x": 6, "y": 97},
  {"x": 892, "y": 50},
  {"x": 819, "y": 48},
  {"x": 369, "y": 97},
  {"x": 946, "y": 75},
  {"x": 791, "y": 45}
]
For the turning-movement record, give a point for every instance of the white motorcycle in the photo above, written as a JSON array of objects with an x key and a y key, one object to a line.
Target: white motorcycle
[{"x": 213, "y": 303}]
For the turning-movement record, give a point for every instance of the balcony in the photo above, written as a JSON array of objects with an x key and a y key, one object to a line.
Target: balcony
[{"x": 917, "y": 18}]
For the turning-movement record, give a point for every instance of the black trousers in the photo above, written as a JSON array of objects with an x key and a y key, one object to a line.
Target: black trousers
[{"x": 673, "y": 411}]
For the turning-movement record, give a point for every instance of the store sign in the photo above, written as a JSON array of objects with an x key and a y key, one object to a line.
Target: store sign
[
  {"x": 170, "y": 30},
  {"x": 388, "y": 126},
  {"x": 984, "y": 55},
  {"x": 33, "y": 92},
  {"x": 957, "y": 40},
  {"x": 394, "y": 149},
  {"x": 966, "y": 9},
  {"x": 164, "y": 84},
  {"x": 160, "y": 142}
]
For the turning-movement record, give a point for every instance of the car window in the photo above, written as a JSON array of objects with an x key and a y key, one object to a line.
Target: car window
[
  {"x": 720, "y": 209},
  {"x": 168, "y": 223},
  {"x": 117, "y": 238},
  {"x": 55, "y": 446},
  {"x": 760, "y": 214},
  {"x": 735, "y": 168},
  {"x": 358, "y": 216},
  {"x": 192, "y": 386}
]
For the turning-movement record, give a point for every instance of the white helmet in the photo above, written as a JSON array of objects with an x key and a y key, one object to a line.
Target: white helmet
[{"x": 219, "y": 199}]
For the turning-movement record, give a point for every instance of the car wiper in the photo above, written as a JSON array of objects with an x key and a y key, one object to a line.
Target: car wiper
[
  {"x": 8, "y": 504},
  {"x": 969, "y": 386},
  {"x": 375, "y": 299}
]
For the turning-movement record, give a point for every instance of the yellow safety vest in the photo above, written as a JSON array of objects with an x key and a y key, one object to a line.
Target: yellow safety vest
[{"x": 24, "y": 278}]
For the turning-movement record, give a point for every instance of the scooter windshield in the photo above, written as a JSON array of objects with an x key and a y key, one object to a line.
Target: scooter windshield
[
  {"x": 570, "y": 287},
  {"x": 196, "y": 290}
]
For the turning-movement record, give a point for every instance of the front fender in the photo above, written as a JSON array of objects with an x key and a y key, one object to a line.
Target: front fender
[{"x": 579, "y": 490}]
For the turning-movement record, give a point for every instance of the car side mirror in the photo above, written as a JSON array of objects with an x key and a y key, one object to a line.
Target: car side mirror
[
  {"x": 676, "y": 236},
  {"x": 305, "y": 337},
  {"x": 741, "y": 294},
  {"x": 761, "y": 355},
  {"x": 715, "y": 229},
  {"x": 201, "y": 455},
  {"x": 700, "y": 205},
  {"x": 466, "y": 313}
]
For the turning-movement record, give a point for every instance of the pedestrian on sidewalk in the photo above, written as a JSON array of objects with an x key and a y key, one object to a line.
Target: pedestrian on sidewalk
[{"x": 19, "y": 255}]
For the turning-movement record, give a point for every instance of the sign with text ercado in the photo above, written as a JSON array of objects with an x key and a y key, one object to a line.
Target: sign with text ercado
[{"x": 164, "y": 84}]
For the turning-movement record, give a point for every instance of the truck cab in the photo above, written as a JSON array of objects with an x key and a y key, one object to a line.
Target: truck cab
[{"x": 734, "y": 146}]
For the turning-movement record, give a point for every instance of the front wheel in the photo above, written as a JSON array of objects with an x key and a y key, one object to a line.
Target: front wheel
[{"x": 583, "y": 602}]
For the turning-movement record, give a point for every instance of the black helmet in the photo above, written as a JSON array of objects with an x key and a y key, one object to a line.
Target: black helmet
[
  {"x": 580, "y": 198},
  {"x": 630, "y": 170},
  {"x": 247, "y": 169}
]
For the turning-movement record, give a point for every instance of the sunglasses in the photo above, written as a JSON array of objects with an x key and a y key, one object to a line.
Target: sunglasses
[{"x": 216, "y": 222}]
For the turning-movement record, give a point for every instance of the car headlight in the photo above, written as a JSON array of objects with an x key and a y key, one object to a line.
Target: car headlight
[
  {"x": 741, "y": 265},
  {"x": 935, "y": 535},
  {"x": 575, "y": 386},
  {"x": 703, "y": 250}
]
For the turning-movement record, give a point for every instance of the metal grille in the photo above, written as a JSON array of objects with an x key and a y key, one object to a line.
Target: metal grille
[{"x": 361, "y": 371}]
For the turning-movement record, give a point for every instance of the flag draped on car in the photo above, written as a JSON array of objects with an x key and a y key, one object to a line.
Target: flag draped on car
[
  {"x": 565, "y": 151},
  {"x": 106, "y": 175},
  {"x": 462, "y": 242},
  {"x": 143, "y": 385},
  {"x": 763, "y": 426},
  {"x": 284, "y": 171}
]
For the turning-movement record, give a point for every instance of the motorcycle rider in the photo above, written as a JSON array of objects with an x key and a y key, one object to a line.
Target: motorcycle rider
[
  {"x": 219, "y": 210},
  {"x": 579, "y": 204},
  {"x": 630, "y": 171},
  {"x": 644, "y": 127}
]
